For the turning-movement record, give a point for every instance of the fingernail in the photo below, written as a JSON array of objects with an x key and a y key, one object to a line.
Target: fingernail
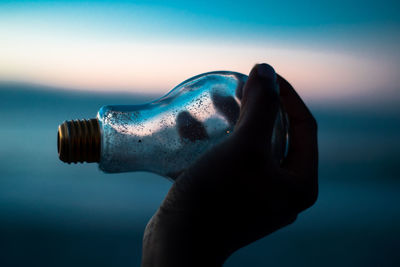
[{"x": 266, "y": 71}]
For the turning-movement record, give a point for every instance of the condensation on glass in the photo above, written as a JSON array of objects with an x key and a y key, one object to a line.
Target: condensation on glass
[{"x": 169, "y": 134}]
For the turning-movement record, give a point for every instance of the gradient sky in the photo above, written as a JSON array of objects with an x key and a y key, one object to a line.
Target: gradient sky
[{"x": 327, "y": 49}]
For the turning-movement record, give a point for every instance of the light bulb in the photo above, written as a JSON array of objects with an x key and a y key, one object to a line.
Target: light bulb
[{"x": 168, "y": 134}]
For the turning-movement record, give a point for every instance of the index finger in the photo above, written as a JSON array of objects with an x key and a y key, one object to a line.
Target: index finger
[{"x": 302, "y": 158}]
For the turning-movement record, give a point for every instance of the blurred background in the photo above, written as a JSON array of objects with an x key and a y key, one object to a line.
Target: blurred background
[{"x": 62, "y": 60}]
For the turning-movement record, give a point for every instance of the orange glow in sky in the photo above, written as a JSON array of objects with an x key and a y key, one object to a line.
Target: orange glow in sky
[{"x": 152, "y": 67}]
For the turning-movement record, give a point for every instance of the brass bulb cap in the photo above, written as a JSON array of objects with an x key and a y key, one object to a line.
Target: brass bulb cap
[{"x": 79, "y": 141}]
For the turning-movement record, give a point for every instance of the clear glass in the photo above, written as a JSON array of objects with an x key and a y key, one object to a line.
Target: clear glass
[{"x": 169, "y": 134}]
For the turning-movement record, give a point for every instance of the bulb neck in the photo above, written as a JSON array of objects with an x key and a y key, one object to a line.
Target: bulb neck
[{"x": 79, "y": 141}]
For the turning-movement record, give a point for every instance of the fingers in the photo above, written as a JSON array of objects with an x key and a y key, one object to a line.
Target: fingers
[
  {"x": 260, "y": 104},
  {"x": 302, "y": 157},
  {"x": 190, "y": 128},
  {"x": 227, "y": 106}
]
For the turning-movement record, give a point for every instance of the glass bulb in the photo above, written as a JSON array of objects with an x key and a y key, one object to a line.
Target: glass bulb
[{"x": 167, "y": 135}]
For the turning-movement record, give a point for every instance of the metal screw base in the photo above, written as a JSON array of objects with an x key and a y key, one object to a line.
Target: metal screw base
[{"x": 79, "y": 141}]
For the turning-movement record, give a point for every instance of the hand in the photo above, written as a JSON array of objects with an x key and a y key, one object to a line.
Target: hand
[{"x": 235, "y": 193}]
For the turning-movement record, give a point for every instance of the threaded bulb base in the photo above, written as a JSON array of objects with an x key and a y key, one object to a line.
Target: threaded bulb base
[{"x": 79, "y": 141}]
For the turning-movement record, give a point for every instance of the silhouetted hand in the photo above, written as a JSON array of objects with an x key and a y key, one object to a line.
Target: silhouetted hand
[{"x": 235, "y": 193}]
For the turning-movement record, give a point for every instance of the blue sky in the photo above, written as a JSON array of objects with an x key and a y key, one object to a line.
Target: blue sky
[
  {"x": 73, "y": 43},
  {"x": 205, "y": 17}
]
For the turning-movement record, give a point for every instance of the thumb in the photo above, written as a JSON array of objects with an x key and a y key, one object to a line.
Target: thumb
[{"x": 260, "y": 104}]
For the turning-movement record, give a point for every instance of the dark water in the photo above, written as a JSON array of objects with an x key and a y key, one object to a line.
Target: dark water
[{"x": 55, "y": 214}]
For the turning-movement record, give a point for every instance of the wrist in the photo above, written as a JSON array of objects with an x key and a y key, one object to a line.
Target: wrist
[{"x": 177, "y": 240}]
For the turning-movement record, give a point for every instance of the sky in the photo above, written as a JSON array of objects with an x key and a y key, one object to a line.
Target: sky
[{"x": 326, "y": 49}]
